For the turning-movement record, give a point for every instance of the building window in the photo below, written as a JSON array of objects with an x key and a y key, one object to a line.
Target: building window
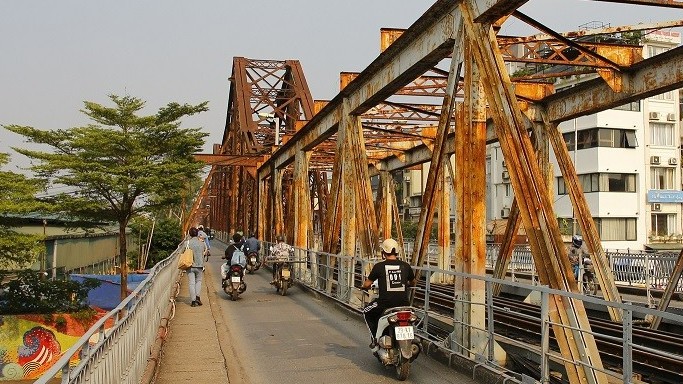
[
  {"x": 662, "y": 224},
  {"x": 616, "y": 228},
  {"x": 632, "y": 106},
  {"x": 662, "y": 134},
  {"x": 661, "y": 178},
  {"x": 601, "y": 137},
  {"x": 602, "y": 182}
]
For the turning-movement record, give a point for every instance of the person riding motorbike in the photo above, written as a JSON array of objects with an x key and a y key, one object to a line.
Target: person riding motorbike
[
  {"x": 576, "y": 254},
  {"x": 252, "y": 245},
  {"x": 393, "y": 277},
  {"x": 237, "y": 243},
  {"x": 280, "y": 251}
]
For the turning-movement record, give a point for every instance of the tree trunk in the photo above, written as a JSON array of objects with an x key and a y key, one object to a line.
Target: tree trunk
[{"x": 123, "y": 260}]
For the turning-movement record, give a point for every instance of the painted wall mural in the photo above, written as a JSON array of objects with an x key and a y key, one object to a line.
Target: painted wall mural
[{"x": 31, "y": 344}]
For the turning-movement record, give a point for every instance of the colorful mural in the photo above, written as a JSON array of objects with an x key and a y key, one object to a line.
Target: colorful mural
[{"x": 30, "y": 344}]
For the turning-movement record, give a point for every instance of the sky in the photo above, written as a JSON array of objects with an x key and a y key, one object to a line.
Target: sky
[{"x": 58, "y": 54}]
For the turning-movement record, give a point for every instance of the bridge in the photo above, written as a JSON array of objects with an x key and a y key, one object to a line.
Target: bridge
[{"x": 438, "y": 93}]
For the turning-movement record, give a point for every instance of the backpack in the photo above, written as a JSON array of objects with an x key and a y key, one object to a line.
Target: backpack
[{"x": 238, "y": 257}]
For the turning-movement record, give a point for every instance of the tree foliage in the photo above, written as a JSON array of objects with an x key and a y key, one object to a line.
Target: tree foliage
[
  {"x": 164, "y": 239},
  {"x": 17, "y": 197},
  {"x": 28, "y": 293},
  {"x": 120, "y": 165}
]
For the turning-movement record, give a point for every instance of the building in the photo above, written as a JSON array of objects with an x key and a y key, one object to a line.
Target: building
[{"x": 628, "y": 160}]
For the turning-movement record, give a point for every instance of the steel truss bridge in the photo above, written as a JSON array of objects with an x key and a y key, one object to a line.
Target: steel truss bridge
[{"x": 439, "y": 92}]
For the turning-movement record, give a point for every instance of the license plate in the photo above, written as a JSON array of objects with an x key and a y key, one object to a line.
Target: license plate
[
  {"x": 235, "y": 279},
  {"x": 404, "y": 333},
  {"x": 285, "y": 274}
]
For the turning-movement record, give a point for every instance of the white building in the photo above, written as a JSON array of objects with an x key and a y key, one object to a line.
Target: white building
[{"x": 629, "y": 163}]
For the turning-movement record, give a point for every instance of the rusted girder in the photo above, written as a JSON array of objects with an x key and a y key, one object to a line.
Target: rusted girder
[
  {"x": 536, "y": 207},
  {"x": 647, "y": 78}
]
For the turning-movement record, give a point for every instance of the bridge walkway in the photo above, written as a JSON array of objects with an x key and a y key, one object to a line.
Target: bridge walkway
[{"x": 264, "y": 337}]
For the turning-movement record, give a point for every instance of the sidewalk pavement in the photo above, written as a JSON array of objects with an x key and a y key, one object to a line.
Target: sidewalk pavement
[{"x": 196, "y": 346}]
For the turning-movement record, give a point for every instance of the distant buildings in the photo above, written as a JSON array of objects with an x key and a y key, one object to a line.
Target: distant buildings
[{"x": 628, "y": 160}]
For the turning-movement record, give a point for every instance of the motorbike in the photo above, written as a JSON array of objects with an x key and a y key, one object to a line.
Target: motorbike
[
  {"x": 395, "y": 336},
  {"x": 233, "y": 281},
  {"x": 252, "y": 262},
  {"x": 283, "y": 277},
  {"x": 590, "y": 284}
]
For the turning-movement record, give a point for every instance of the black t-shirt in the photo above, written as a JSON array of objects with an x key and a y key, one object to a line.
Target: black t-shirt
[{"x": 392, "y": 277}]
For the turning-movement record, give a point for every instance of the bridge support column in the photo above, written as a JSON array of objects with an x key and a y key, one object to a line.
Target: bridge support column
[
  {"x": 570, "y": 323},
  {"x": 603, "y": 271},
  {"x": 470, "y": 232},
  {"x": 302, "y": 210}
]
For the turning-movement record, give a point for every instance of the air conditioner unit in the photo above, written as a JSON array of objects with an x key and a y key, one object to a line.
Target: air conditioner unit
[
  {"x": 671, "y": 117},
  {"x": 654, "y": 115},
  {"x": 505, "y": 212},
  {"x": 505, "y": 175},
  {"x": 656, "y": 207},
  {"x": 673, "y": 161},
  {"x": 654, "y": 160}
]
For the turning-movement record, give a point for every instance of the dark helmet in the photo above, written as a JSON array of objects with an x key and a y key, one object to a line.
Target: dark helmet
[
  {"x": 236, "y": 237},
  {"x": 577, "y": 241},
  {"x": 280, "y": 238}
]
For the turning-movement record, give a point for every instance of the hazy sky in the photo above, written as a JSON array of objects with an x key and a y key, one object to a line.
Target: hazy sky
[{"x": 56, "y": 54}]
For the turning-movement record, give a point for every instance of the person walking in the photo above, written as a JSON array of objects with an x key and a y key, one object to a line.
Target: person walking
[{"x": 195, "y": 274}]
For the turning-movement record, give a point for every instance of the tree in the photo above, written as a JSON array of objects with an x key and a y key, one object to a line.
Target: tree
[
  {"x": 17, "y": 197},
  {"x": 121, "y": 165}
]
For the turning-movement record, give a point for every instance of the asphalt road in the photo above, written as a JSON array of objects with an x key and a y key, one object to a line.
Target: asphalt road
[{"x": 300, "y": 338}]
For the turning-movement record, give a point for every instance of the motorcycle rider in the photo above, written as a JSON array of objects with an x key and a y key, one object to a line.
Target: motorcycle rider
[
  {"x": 576, "y": 254},
  {"x": 393, "y": 277},
  {"x": 280, "y": 251},
  {"x": 237, "y": 243},
  {"x": 252, "y": 245}
]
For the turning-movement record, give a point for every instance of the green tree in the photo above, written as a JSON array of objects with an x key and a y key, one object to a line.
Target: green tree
[
  {"x": 164, "y": 239},
  {"x": 121, "y": 165},
  {"x": 17, "y": 196}
]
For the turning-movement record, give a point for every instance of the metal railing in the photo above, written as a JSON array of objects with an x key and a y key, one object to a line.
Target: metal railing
[
  {"x": 339, "y": 277},
  {"x": 634, "y": 268},
  {"x": 117, "y": 347}
]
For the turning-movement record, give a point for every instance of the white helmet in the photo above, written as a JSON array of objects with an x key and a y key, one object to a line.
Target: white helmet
[{"x": 390, "y": 246}]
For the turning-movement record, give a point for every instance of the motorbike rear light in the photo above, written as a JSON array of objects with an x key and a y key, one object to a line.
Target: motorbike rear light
[
  {"x": 404, "y": 316},
  {"x": 236, "y": 268}
]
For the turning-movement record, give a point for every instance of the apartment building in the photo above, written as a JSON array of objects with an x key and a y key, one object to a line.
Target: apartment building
[{"x": 628, "y": 160}]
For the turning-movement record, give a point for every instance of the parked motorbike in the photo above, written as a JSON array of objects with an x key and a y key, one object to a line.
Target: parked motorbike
[
  {"x": 252, "y": 262},
  {"x": 590, "y": 283},
  {"x": 233, "y": 281},
  {"x": 395, "y": 336}
]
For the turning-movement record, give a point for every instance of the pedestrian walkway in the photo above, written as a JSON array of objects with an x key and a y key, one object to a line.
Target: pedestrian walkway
[
  {"x": 194, "y": 350},
  {"x": 191, "y": 351}
]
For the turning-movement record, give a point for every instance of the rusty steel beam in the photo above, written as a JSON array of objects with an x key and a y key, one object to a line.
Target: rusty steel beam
[
  {"x": 536, "y": 208},
  {"x": 490, "y": 11},
  {"x": 419, "y": 49},
  {"x": 647, "y": 78},
  {"x": 671, "y": 285},
  {"x": 658, "y": 3}
]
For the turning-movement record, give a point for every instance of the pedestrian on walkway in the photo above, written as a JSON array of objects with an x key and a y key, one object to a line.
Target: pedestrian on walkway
[{"x": 196, "y": 273}]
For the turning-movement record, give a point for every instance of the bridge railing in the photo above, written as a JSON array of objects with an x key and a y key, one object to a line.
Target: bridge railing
[
  {"x": 339, "y": 277},
  {"x": 116, "y": 348}
]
